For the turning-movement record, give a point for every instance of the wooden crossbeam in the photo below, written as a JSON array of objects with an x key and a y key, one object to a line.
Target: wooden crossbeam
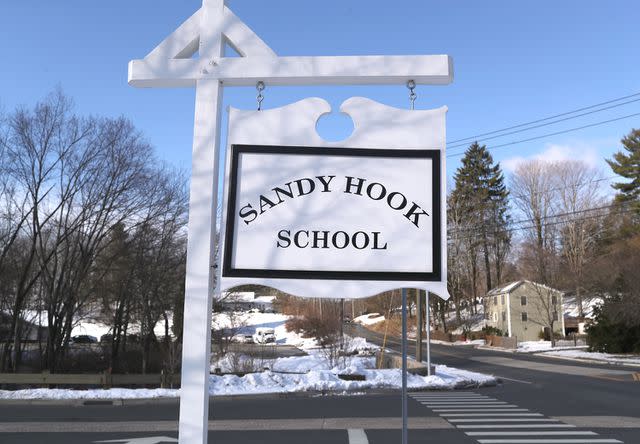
[{"x": 340, "y": 70}]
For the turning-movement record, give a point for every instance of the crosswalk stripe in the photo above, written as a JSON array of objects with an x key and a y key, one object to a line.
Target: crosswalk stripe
[
  {"x": 503, "y": 420},
  {"x": 357, "y": 436},
  {"x": 513, "y": 426},
  {"x": 489, "y": 414},
  {"x": 478, "y": 401},
  {"x": 547, "y": 441},
  {"x": 536, "y": 433},
  {"x": 488, "y": 403},
  {"x": 469, "y": 405},
  {"x": 456, "y": 400},
  {"x": 481, "y": 410},
  {"x": 472, "y": 413}
]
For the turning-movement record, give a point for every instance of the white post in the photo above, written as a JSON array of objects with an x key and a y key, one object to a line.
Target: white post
[
  {"x": 428, "y": 320},
  {"x": 201, "y": 243},
  {"x": 404, "y": 367}
]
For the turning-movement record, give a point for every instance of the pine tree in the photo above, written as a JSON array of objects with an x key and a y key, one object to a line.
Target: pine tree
[
  {"x": 627, "y": 165},
  {"x": 482, "y": 197}
]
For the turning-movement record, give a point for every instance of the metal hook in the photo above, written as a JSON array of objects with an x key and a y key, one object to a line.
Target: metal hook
[
  {"x": 260, "y": 87},
  {"x": 412, "y": 95}
]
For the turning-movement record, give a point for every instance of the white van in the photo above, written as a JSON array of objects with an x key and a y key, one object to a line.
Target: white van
[{"x": 264, "y": 335}]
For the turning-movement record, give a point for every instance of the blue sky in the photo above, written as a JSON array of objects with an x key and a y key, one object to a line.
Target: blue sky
[{"x": 514, "y": 62}]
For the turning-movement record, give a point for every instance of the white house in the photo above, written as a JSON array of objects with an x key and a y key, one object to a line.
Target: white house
[{"x": 525, "y": 310}]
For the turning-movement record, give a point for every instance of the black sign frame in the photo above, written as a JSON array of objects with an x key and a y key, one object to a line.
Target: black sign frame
[{"x": 428, "y": 276}]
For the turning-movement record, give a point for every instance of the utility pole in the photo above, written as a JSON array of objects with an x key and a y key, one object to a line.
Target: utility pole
[{"x": 418, "y": 325}]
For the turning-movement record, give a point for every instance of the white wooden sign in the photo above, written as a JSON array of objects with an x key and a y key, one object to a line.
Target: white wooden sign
[
  {"x": 334, "y": 219},
  {"x": 171, "y": 64}
]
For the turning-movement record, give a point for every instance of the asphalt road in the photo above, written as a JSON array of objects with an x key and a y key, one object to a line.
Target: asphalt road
[{"x": 540, "y": 400}]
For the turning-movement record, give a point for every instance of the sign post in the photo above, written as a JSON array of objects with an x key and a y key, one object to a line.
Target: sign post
[{"x": 170, "y": 64}]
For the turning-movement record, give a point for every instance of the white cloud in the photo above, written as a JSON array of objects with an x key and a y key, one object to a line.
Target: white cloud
[{"x": 588, "y": 153}]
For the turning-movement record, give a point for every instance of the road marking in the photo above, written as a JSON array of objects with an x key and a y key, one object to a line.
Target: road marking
[
  {"x": 604, "y": 422},
  {"x": 488, "y": 402},
  {"x": 489, "y": 414},
  {"x": 514, "y": 380},
  {"x": 481, "y": 419},
  {"x": 547, "y": 441},
  {"x": 502, "y": 420},
  {"x": 357, "y": 436},
  {"x": 548, "y": 367},
  {"x": 468, "y": 405},
  {"x": 536, "y": 433},
  {"x": 149, "y": 440},
  {"x": 480, "y": 410},
  {"x": 447, "y": 395},
  {"x": 513, "y": 426},
  {"x": 457, "y": 398}
]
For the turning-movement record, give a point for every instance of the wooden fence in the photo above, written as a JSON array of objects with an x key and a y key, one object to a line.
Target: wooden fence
[
  {"x": 105, "y": 380},
  {"x": 502, "y": 341}
]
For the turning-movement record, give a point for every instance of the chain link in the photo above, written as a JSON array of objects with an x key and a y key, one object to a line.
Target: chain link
[
  {"x": 412, "y": 94},
  {"x": 260, "y": 97}
]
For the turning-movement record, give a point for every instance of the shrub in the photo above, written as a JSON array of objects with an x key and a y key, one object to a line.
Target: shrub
[
  {"x": 489, "y": 330},
  {"x": 610, "y": 335}
]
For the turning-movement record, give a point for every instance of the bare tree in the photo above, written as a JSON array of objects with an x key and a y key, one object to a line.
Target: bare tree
[
  {"x": 532, "y": 190},
  {"x": 579, "y": 192}
]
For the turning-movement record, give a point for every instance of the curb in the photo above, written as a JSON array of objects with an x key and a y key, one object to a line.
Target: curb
[{"x": 588, "y": 361}]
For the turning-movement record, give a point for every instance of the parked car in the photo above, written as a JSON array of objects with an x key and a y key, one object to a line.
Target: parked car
[
  {"x": 84, "y": 339},
  {"x": 243, "y": 339},
  {"x": 264, "y": 335}
]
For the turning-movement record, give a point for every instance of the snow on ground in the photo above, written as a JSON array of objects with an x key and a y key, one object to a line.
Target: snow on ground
[
  {"x": 541, "y": 346},
  {"x": 369, "y": 319},
  {"x": 594, "y": 356},
  {"x": 446, "y": 378},
  {"x": 310, "y": 373},
  {"x": 248, "y": 322},
  {"x": 92, "y": 327}
]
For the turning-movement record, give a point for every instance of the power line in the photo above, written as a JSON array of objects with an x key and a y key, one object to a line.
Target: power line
[
  {"x": 551, "y": 216},
  {"x": 546, "y": 118},
  {"x": 548, "y": 123},
  {"x": 552, "y": 134},
  {"x": 548, "y": 224}
]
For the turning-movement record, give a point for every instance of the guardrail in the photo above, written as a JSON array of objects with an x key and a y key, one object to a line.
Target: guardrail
[{"x": 105, "y": 380}]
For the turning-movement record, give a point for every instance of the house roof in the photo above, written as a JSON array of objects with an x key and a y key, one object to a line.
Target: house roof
[{"x": 508, "y": 288}]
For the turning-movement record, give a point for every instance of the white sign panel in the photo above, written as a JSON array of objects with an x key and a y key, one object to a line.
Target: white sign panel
[
  {"x": 333, "y": 213},
  {"x": 334, "y": 219}
]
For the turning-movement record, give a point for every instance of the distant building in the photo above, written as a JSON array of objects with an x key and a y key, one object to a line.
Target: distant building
[
  {"x": 525, "y": 309},
  {"x": 247, "y": 300}
]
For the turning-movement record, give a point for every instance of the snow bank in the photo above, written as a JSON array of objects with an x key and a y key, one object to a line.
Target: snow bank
[
  {"x": 541, "y": 346},
  {"x": 594, "y": 356},
  {"x": 369, "y": 319},
  {"x": 446, "y": 378}
]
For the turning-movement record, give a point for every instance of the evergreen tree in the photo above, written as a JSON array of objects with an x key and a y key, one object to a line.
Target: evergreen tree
[
  {"x": 482, "y": 198},
  {"x": 627, "y": 165}
]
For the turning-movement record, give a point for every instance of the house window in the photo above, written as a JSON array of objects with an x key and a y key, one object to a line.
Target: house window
[
  {"x": 524, "y": 316},
  {"x": 502, "y": 299},
  {"x": 495, "y": 317},
  {"x": 504, "y": 315},
  {"x": 554, "y": 300},
  {"x": 523, "y": 300},
  {"x": 495, "y": 300},
  {"x": 555, "y": 315}
]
